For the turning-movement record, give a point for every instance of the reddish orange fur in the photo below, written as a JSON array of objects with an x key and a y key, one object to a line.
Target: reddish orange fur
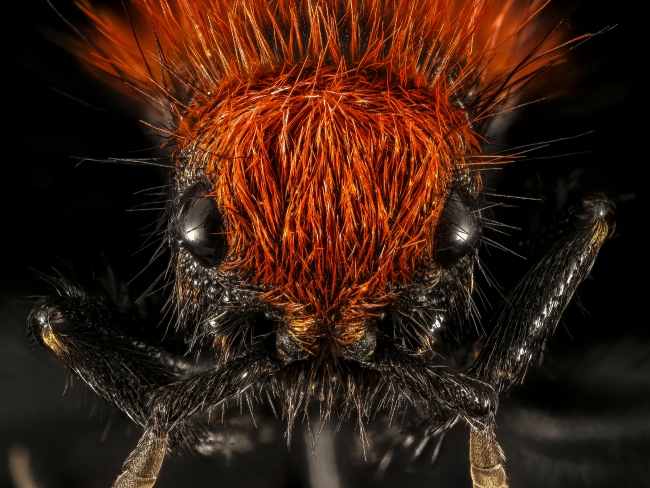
[
  {"x": 332, "y": 183},
  {"x": 330, "y": 157}
]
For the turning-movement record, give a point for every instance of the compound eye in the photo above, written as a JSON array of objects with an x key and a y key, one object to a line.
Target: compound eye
[
  {"x": 459, "y": 228},
  {"x": 201, "y": 226}
]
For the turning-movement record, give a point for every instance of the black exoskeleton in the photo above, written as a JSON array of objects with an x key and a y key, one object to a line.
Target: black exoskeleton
[{"x": 145, "y": 382}]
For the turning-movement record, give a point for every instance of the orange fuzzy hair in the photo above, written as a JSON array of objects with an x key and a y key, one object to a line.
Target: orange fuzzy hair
[{"x": 330, "y": 130}]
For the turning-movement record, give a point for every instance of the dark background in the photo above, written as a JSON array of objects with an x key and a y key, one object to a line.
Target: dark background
[{"x": 582, "y": 419}]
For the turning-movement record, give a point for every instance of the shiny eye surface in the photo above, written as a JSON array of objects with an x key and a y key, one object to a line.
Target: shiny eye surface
[
  {"x": 201, "y": 226},
  {"x": 459, "y": 228}
]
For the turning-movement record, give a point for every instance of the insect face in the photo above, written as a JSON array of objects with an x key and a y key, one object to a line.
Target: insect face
[
  {"x": 328, "y": 188},
  {"x": 326, "y": 213}
]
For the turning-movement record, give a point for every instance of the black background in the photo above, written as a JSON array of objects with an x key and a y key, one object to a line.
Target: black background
[{"x": 582, "y": 419}]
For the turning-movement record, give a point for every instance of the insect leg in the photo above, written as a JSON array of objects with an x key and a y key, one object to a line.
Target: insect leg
[
  {"x": 456, "y": 394},
  {"x": 459, "y": 396},
  {"x": 532, "y": 312},
  {"x": 174, "y": 404},
  {"x": 486, "y": 459},
  {"x": 85, "y": 335},
  {"x": 534, "y": 307}
]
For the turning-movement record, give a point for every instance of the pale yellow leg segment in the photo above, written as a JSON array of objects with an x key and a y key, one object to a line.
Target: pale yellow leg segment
[
  {"x": 486, "y": 458},
  {"x": 143, "y": 465}
]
